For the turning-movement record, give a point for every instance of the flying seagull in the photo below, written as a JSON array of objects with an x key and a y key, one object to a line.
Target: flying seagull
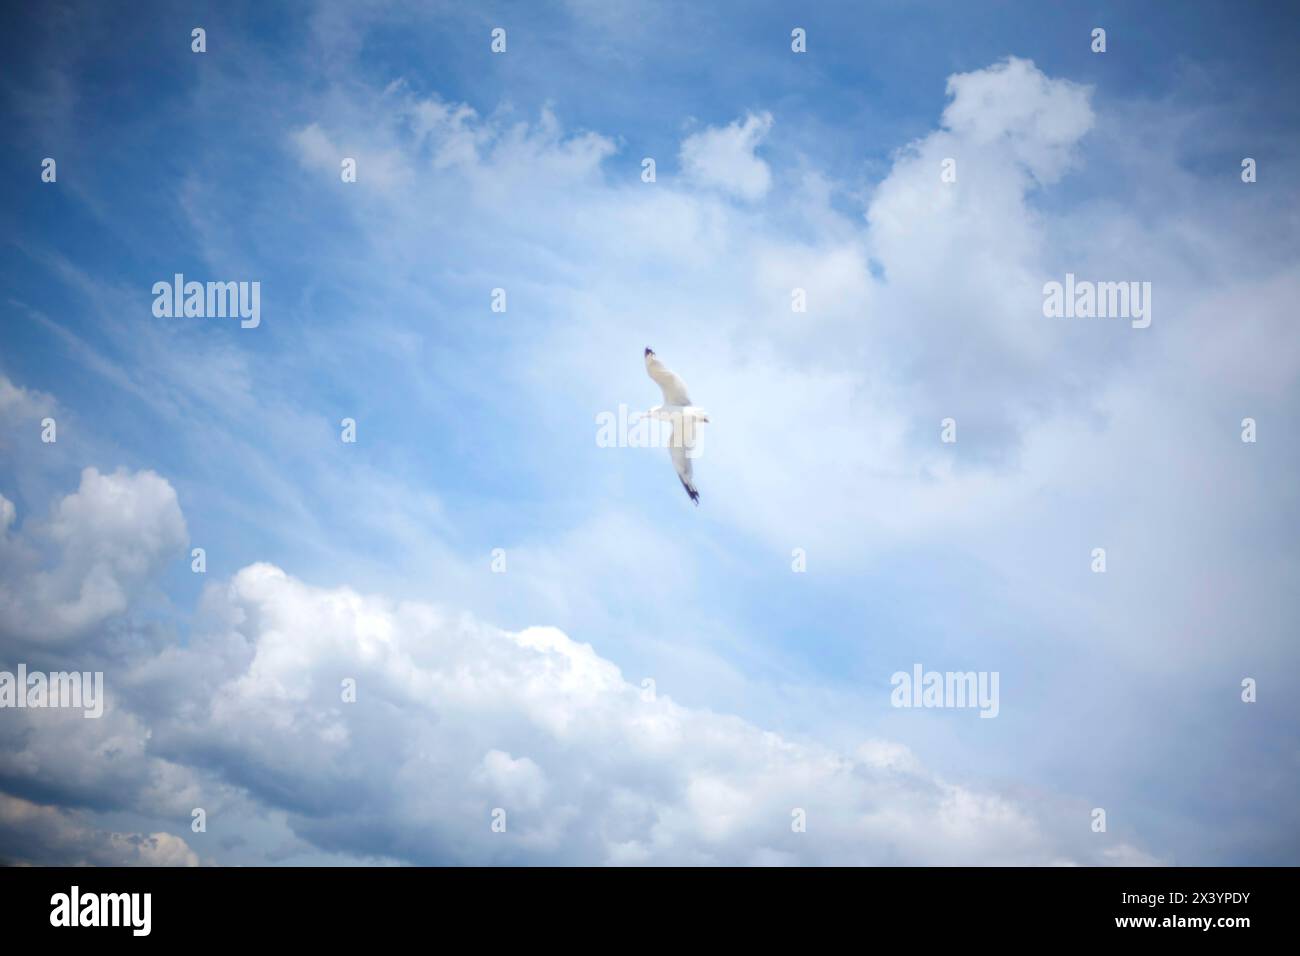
[{"x": 677, "y": 408}]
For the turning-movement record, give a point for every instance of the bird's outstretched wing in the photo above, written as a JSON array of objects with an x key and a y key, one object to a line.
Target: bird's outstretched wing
[
  {"x": 679, "y": 447},
  {"x": 673, "y": 387}
]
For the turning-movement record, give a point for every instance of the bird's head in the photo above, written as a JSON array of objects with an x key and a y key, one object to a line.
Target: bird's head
[{"x": 649, "y": 351}]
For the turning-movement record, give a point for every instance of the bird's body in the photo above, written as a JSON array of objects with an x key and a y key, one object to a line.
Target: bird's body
[{"x": 685, "y": 418}]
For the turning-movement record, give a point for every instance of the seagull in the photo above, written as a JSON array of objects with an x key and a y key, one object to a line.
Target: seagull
[{"x": 677, "y": 408}]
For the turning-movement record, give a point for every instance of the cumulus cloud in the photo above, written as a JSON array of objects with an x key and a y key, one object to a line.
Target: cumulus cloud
[
  {"x": 454, "y": 718},
  {"x": 49, "y": 836},
  {"x": 57, "y": 756},
  {"x": 723, "y": 157},
  {"x": 1014, "y": 104},
  {"x": 69, "y": 573},
  {"x": 965, "y": 261}
]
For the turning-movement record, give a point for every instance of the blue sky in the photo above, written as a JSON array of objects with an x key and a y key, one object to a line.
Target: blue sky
[{"x": 476, "y": 431}]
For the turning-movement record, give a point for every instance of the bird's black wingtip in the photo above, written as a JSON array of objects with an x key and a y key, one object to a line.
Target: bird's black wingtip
[
  {"x": 649, "y": 350},
  {"x": 695, "y": 495}
]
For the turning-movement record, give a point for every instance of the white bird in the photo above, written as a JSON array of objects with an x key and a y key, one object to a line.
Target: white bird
[{"x": 684, "y": 416}]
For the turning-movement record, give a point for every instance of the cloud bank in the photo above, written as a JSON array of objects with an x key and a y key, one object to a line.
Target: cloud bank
[{"x": 394, "y": 730}]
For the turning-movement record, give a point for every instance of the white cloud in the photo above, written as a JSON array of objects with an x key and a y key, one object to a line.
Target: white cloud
[
  {"x": 454, "y": 718},
  {"x": 417, "y": 138},
  {"x": 1016, "y": 105},
  {"x": 520, "y": 783},
  {"x": 723, "y": 157},
  {"x": 383, "y": 169},
  {"x": 72, "y": 572}
]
